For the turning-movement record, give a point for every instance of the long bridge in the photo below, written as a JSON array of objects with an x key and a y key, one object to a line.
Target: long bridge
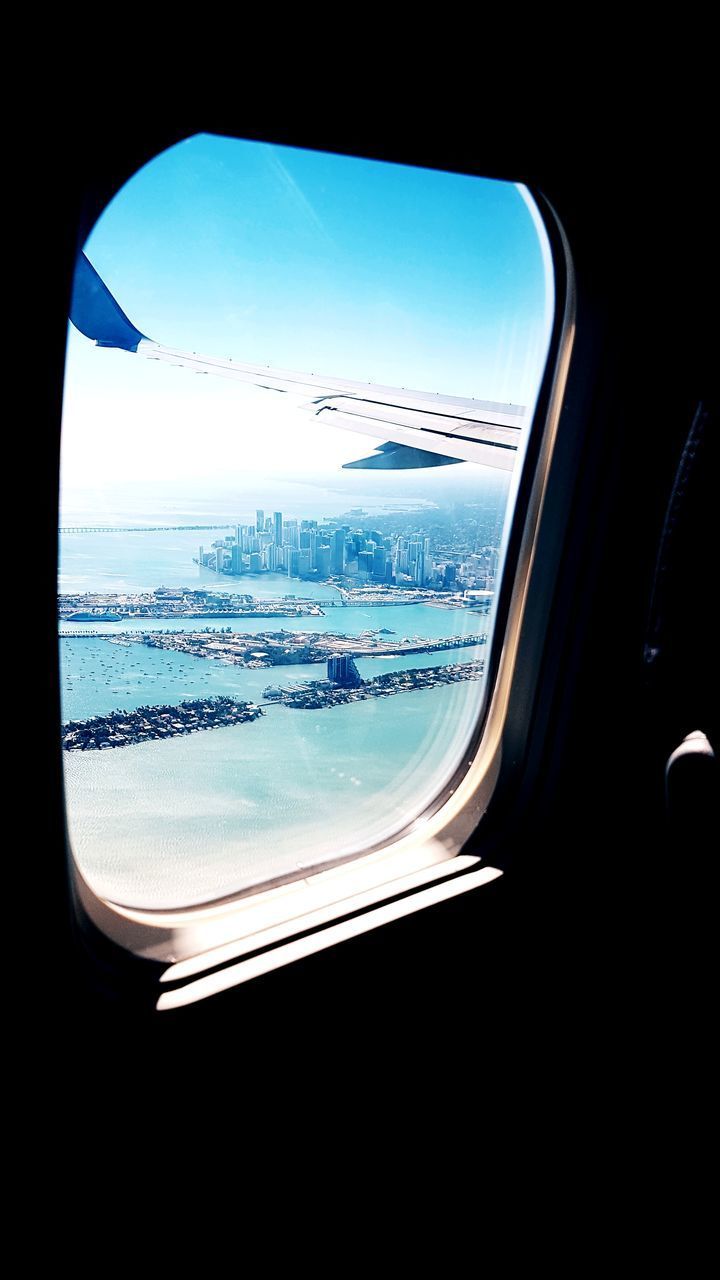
[{"x": 140, "y": 528}]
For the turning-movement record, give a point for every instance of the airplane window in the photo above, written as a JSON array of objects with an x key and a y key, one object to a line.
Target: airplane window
[{"x": 299, "y": 388}]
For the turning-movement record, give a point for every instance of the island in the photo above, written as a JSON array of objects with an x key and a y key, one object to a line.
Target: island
[
  {"x": 287, "y": 648},
  {"x": 127, "y": 728},
  {"x": 313, "y": 695}
]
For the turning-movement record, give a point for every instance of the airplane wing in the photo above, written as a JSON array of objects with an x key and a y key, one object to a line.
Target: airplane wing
[{"x": 418, "y": 428}]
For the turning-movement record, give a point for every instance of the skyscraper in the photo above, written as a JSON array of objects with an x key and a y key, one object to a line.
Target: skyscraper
[
  {"x": 260, "y": 520},
  {"x": 337, "y": 551},
  {"x": 277, "y": 518},
  {"x": 322, "y": 561},
  {"x": 343, "y": 671}
]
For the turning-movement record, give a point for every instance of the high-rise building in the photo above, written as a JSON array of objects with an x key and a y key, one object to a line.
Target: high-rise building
[
  {"x": 260, "y": 520},
  {"x": 278, "y": 521},
  {"x": 343, "y": 671},
  {"x": 337, "y": 551},
  {"x": 236, "y": 559},
  {"x": 322, "y": 560},
  {"x": 255, "y": 562},
  {"x": 293, "y": 558}
]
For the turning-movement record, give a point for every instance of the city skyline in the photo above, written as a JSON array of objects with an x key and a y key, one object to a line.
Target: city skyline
[{"x": 351, "y": 548}]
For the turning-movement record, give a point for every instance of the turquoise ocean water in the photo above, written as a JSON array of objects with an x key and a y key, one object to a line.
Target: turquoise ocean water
[{"x": 170, "y": 823}]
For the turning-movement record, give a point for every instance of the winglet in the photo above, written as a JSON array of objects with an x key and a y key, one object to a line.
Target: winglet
[{"x": 95, "y": 312}]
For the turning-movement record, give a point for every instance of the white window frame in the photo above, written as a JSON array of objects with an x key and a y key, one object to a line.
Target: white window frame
[{"x": 198, "y": 951}]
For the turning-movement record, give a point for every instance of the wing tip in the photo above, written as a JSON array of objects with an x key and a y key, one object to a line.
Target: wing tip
[{"x": 97, "y": 314}]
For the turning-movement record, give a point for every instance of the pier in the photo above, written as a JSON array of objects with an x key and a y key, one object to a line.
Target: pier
[{"x": 141, "y": 528}]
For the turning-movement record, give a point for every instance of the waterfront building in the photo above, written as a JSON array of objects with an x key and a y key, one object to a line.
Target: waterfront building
[
  {"x": 293, "y": 558},
  {"x": 379, "y": 562},
  {"x": 236, "y": 559},
  {"x": 343, "y": 671},
  {"x": 255, "y": 562},
  {"x": 303, "y": 563}
]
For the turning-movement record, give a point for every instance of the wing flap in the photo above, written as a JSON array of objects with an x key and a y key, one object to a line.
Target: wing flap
[{"x": 465, "y": 430}]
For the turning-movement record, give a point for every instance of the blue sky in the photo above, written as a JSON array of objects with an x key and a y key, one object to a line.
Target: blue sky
[{"x": 328, "y": 264}]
